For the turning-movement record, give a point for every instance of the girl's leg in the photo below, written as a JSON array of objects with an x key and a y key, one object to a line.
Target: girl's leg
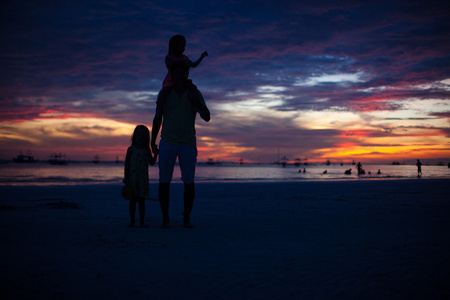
[
  {"x": 141, "y": 201},
  {"x": 132, "y": 208}
]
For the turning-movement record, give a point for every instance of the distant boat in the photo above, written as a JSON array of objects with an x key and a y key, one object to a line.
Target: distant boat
[
  {"x": 57, "y": 159},
  {"x": 210, "y": 162},
  {"x": 285, "y": 160},
  {"x": 25, "y": 158},
  {"x": 96, "y": 159}
]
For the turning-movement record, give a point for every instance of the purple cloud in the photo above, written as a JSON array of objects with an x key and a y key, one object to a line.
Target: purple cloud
[{"x": 107, "y": 59}]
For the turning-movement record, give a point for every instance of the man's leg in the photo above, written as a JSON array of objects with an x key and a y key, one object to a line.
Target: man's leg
[
  {"x": 164, "y": 196},
  {"x": 189, "y": 195},
  {"x": 167, "y": 158},
  {"x": 188, "y": 158}
]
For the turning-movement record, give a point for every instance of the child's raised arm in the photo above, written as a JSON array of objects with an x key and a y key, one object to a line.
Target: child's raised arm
[{"x": 196, "y": 63}]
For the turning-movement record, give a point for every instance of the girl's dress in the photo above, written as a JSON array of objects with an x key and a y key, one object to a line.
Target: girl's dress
[
  {"x": 139, "y": 171},
  {"x": 168, "y": 82}
]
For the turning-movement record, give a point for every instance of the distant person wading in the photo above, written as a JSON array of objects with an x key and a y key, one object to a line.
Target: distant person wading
[{"x": 419, "y": 168}]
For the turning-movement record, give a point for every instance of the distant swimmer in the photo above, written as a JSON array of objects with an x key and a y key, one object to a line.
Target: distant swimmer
[
  {"x": 325, "y": 172},
  {"x": 379, "y": 172},
  {"x": 348, "y": 172}
]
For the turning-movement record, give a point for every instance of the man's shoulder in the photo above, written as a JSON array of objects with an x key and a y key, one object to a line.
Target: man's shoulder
[
  {"x": 164, "y": 93},
  {"x": 165, "y": 90}
]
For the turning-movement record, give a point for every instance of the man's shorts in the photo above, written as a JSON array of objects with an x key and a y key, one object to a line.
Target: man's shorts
[{"x": 187, "y": 157}]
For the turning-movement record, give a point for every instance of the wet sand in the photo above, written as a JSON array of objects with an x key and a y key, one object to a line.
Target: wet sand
[{"x": 367, "y": 239}]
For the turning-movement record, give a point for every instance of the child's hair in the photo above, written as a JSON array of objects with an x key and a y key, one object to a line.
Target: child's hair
[
  {"x": 174, "y": 42},
  {"x": 147, "y": 135}
]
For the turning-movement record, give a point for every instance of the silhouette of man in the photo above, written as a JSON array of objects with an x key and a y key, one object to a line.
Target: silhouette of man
[
  {"x": 176, "y": 109},
  {"x": 419, "y": 168}
]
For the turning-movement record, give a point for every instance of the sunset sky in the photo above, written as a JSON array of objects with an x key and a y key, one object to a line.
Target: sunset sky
[{"x": 323, "y": 80}]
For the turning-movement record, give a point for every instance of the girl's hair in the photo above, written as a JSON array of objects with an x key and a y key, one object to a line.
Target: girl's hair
[
  {"x": 147, "y": 135},
  {"x": 174, "y": 42}
]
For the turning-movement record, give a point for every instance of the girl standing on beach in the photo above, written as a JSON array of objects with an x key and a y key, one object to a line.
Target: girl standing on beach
[
  {"x": 177, "y": 46},
  {"x": 138, "y": 157}
]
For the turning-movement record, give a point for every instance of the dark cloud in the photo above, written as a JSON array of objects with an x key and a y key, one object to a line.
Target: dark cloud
[{"x": 89, "y": 57}]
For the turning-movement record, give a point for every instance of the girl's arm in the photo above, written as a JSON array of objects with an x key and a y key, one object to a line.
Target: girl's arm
[
  {"x": 127, "y": 165},
  {"x": 198, "y": 61}
]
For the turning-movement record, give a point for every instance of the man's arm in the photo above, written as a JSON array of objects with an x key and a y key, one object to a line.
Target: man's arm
[
  {"x": 205, "y": 114},
  {"x": 202, "y": 108},
  {"x": 157, "y": 120}
]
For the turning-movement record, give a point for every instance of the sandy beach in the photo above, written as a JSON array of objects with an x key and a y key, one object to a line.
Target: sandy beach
[{"x": 381, "y": 239}]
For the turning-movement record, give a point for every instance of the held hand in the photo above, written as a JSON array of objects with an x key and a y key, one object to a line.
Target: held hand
[
  {"x": 155, "y": 149},
  {"x": 153, "y": 160}
]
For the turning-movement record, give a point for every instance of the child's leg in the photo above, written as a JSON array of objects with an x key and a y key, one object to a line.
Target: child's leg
[
  {"x": 141, "y": 201},
  {"x": 132, "y": 208}
]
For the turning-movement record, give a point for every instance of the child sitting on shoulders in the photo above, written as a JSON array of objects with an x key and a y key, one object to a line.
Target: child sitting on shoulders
[{"x": 177, "y": 46}]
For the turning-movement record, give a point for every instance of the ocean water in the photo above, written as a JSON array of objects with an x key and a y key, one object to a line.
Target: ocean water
[{"x": 42, "y": 173}]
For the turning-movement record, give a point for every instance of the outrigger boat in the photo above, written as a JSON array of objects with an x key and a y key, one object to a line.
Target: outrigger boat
[
  {"x": 25, "y": 158},
  {"x": 57, "y": 159},
  {"x": 96, "y": 159}
]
